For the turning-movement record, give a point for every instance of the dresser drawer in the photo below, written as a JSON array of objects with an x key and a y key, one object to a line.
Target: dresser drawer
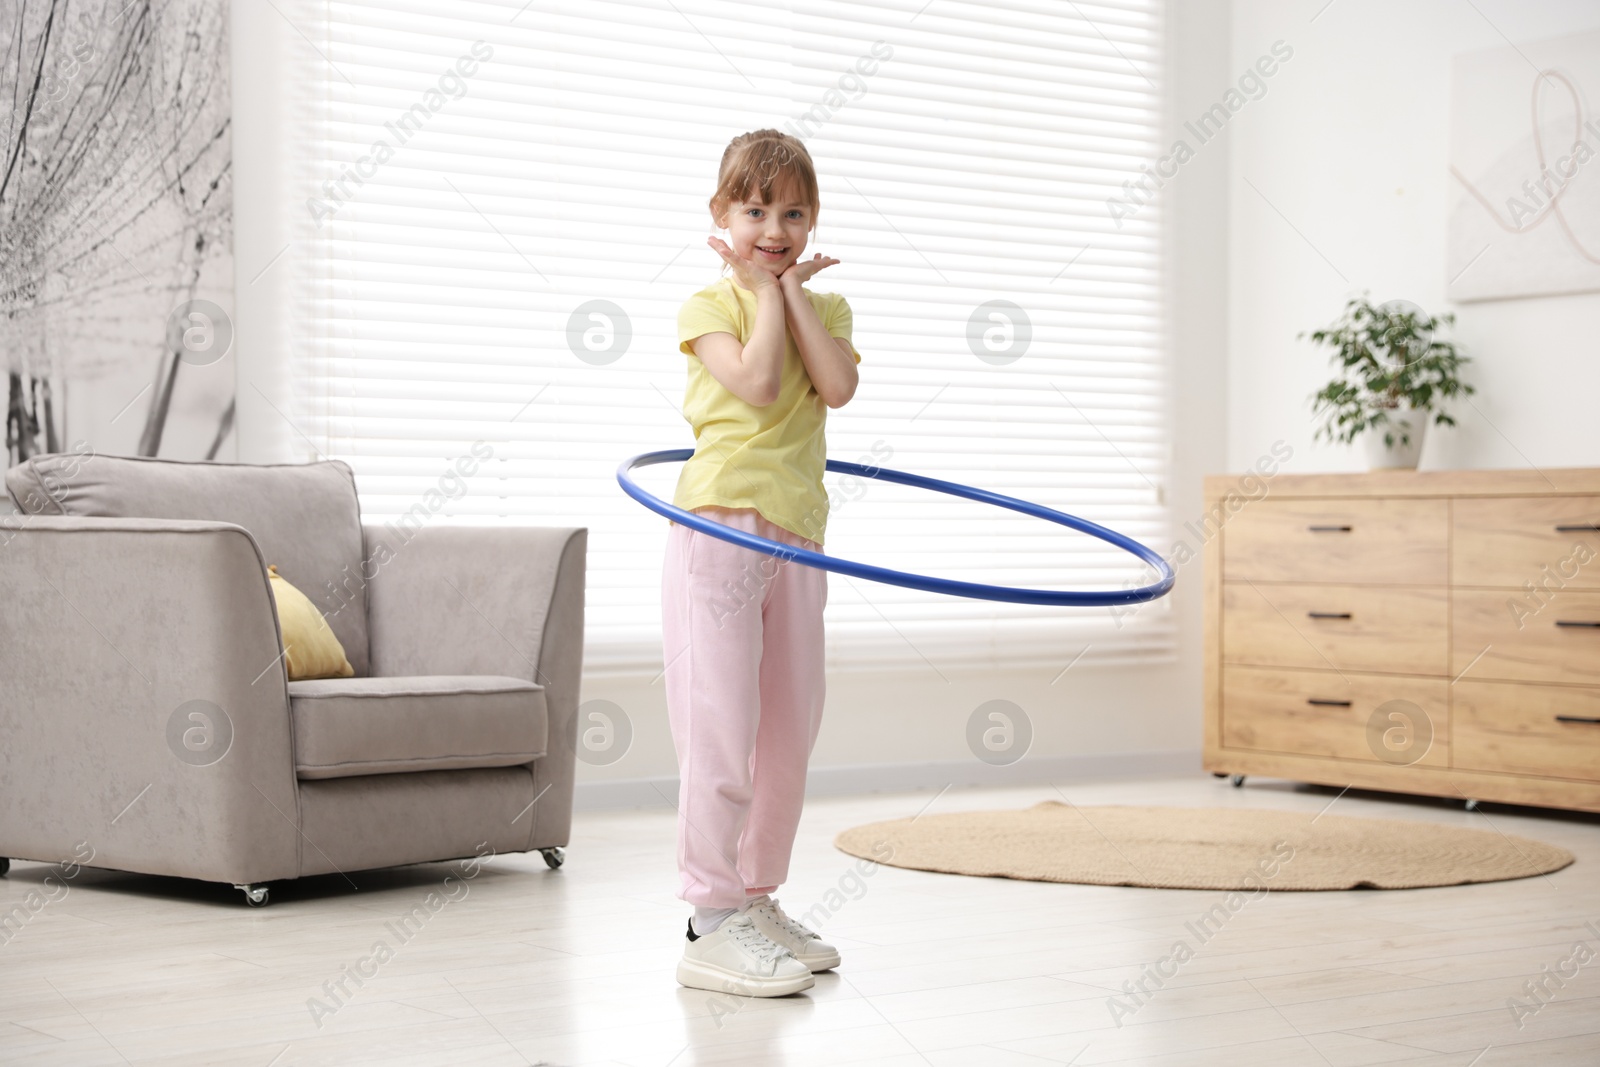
[
  {"x": 1506, "y": 541},
  {"x": 1326, "y": 713},
  {"x": 1383, "y": 541},
  {"x": 1498, "y": 726},
  {"x": 1401, "y": 629},
  {"x": 1508, "y": 635}
]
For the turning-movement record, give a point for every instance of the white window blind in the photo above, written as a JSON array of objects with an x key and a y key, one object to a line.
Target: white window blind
[{"x": 443, "y": 285}]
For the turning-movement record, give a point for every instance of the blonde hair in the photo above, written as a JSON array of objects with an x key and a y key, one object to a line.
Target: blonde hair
[{"x": 760, "y": 161}]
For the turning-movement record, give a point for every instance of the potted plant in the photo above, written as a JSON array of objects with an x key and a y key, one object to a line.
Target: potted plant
[{"x": 1393, "y": 373}]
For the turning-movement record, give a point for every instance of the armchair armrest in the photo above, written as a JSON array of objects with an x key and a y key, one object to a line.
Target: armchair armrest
[
  {"x": 109, "y": 630},
  {"x": 504, "y": 600}
]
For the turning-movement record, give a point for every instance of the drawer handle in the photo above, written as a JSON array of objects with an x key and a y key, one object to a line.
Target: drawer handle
[
  {"x": 1328, "y": 614},
  {"x": 1330, "y": 529},
  {"x": 1327, "y": 703},
  {"x": 1574, "y": 623},
  {"x": 1576, "y": 718},
  {"x": 1579, "y": 527}
]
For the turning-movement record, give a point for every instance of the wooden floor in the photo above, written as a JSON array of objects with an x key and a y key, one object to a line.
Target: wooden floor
[{"x": 527, "y": 966}]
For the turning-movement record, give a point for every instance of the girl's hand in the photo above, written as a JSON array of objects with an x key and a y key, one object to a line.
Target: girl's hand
[
  {"x": 803, "y": 270},
  {"x": 751, "y": 275}
]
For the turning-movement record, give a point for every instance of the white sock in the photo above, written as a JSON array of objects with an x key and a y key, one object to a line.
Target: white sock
[{"x": 707, "y": 920}]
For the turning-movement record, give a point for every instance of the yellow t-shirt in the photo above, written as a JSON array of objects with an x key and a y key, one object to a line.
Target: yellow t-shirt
[{"x": 769, "y": 458}]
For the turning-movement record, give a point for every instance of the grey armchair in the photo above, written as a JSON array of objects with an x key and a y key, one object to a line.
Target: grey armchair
[{"x": 146, "y": 717}]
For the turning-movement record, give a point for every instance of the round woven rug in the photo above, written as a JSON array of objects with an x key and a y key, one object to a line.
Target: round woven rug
[{"x": 1200, "y": 848}]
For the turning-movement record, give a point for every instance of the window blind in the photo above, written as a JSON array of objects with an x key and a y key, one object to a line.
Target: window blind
[{"x": 506, "y": 206}]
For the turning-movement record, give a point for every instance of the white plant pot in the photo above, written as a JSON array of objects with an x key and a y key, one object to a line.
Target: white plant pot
[{"x": 1381, "y": 456}]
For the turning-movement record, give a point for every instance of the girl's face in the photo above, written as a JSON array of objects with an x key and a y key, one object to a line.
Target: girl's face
[{"x": 772, "y": 235}]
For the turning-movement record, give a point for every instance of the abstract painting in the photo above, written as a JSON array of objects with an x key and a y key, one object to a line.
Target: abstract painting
[
  {"x": 1525, "y": 170},
  {"x": 116, "y": 228}
]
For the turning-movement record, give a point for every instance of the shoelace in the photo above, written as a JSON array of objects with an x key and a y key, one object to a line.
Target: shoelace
[
  {"x": 743, "y": 930},
  {"x": 771, "y": 909}
]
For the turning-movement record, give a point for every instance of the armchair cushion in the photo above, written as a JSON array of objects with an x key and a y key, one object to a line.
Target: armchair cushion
[
  {"x": 303, "y": 516},
  {"x": 347, "y": 727},
  {"x": 309, "y": 648}
]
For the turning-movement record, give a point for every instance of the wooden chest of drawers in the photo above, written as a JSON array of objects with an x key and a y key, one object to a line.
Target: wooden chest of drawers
[{"x": 1427, "y": 632}]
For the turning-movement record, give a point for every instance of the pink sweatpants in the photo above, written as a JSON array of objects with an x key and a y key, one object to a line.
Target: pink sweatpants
[{"x": 742, "y": 638}]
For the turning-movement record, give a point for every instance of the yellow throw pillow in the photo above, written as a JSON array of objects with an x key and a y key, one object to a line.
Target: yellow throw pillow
[{"x": 312, "y": 651}]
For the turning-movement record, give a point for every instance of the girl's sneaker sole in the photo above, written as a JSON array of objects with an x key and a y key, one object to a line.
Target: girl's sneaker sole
[
  {"x": 821, "y": 963},
  {"x": 700, "y": 976}
]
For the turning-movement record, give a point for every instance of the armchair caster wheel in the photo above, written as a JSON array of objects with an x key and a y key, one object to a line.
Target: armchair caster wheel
[
  {"x": 1238, "y": 781},
  {"x": 254, "y": 895},
  {"x": 1219, "y": 774},
  {"x": 553, "y": 857},
  {"x": 5, "y": 866},
  {"x": 1472, "y": 805}
]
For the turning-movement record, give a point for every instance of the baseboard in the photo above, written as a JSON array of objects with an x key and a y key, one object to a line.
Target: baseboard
[{"x": 858, "y": 779}]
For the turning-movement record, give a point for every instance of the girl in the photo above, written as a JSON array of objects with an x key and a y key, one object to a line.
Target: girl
[{"x": 742, "y": 631}]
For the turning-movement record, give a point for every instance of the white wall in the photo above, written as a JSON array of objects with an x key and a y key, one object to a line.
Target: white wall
[
  {"x": 1350, "y": 145},
  {"x": 264, "y": 65}
]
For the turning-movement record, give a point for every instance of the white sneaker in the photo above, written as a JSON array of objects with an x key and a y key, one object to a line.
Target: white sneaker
[
  {"x": 801, "y": 941},
  {"x": 738, "y": 958}
]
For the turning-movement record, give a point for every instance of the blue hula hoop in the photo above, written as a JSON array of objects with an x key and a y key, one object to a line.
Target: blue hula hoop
[{"x": 974, "y": 590}]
